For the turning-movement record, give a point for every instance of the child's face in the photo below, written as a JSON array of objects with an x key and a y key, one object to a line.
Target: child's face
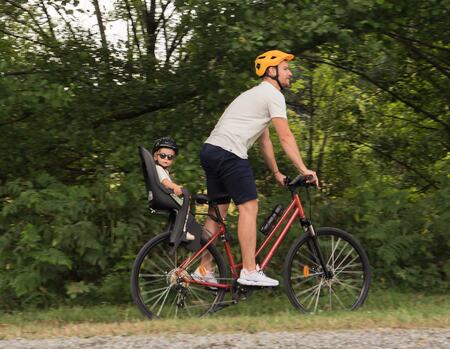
[{"x": 164, "y": 156}]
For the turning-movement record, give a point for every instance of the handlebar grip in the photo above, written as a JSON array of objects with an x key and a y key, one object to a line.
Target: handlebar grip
[{"x": 301, "y": 181}]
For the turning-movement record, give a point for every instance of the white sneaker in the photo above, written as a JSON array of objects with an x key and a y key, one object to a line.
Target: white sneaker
[
  {"x": 201, "y": 274},
  {"x": 189, "y": 236},
  {"x": 256, "y": 278}
]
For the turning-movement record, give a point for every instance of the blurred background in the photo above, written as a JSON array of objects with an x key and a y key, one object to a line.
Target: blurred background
[{"x": 84, "y": 83}]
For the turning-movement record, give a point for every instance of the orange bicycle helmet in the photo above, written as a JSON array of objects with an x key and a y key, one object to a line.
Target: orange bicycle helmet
[{"x": 270, "y": 59}]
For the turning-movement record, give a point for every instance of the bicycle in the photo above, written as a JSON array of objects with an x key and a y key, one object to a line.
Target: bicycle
[{"x": 325, "y": 269}]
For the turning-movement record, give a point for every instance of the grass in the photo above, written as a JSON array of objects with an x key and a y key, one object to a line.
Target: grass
[{"x": 261, "y": 312}]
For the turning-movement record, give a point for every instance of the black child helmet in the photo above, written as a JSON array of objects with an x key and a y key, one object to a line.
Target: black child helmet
[{"x": 165, "y": 142}]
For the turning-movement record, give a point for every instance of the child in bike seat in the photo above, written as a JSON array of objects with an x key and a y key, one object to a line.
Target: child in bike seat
[{"x": 164, "y": 152}]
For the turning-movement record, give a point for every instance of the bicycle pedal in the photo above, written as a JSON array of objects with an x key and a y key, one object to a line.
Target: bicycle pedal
[{"x": 254, "y": 288}]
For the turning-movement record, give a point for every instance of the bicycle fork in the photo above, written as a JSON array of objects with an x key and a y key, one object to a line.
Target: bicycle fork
[{"x": 314, "y": 247}]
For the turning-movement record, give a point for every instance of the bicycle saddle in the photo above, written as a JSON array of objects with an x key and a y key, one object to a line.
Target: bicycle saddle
[{"x": 200, "y": 198}]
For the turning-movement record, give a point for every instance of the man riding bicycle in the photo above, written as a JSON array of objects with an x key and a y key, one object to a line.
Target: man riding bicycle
[{"x": 225, "y": 161}]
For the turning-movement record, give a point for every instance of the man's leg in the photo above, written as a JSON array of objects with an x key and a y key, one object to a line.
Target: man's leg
[
  {"x": 248, "y": 212},
  {"x": 210, "y": 228},
  {"x": 250, "y": 276}
]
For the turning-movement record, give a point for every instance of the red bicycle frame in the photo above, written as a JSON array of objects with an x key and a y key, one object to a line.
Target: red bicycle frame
[{"x": 294, "y": 211}]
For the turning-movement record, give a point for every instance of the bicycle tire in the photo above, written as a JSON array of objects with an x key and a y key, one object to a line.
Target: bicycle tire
[
  {"x": 305, "y": 283},
  {"x": 153, "y": 285}
]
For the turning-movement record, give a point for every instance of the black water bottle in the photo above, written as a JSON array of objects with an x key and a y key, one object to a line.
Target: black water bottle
[{"x": 270, "y": 221}]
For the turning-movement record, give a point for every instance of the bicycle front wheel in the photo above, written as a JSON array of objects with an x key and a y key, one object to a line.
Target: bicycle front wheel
[
  {"x": 160, "y": 290},
  {"x": 307, "y": 286}
]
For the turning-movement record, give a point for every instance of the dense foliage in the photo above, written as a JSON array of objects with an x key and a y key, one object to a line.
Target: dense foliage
[{"x": 369, "y": 107}]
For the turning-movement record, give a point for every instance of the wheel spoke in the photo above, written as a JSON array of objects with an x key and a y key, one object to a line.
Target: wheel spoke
[
  {"x": 336, "y": 258},
  {"x": 308, "y": 289},
  {"x": 312, "y": 262},
  {"x": 176, "y": 305},
  {"x": 360, "y": 272},
  {"x": 349, "y": 266},
  {"x": 306, "y": 277},
  {"x": 318, "y": 294},
  {"x": 312, "y": 295},
  {"x": 159, "y": 298},
  {"x": 163, "y": 302},
  {"x": 336, "y": 296},
  {"x": 162, "y": 276},
  {"x": 172, "y": 264},
  {"x": 334, "y": 247},
  {"x": 330, "y": 291},
  {"x": 155, "y": 290},
  {"x": 172, "y": 305},
  {"x": 157, "y": 266},
  {"x": 347, "y": 285},
  {"x": 187, "y": 309},
  {"x": 309, "y": 296},
  {"x": 349, "y": 263},
  {"x": 168, "y": 263},
  {"x": 196, "y": 295},
  {"x": 304, "y": 282},
  {"x": 200, "y": 300}
]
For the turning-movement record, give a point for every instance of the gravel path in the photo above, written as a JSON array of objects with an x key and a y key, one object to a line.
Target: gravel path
[{"x": 355, "y": 339}]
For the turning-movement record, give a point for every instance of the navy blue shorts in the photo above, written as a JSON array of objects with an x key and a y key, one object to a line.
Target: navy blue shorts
[{"x": 227, "y": 176}]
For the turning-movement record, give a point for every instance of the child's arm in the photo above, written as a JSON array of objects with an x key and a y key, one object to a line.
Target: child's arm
[{"x": 171, "y": 185}]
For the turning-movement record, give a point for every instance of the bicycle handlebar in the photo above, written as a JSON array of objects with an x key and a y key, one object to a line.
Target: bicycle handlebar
[{"x": 299, "y": 181}]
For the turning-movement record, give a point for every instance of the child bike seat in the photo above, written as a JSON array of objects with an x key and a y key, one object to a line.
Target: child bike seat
[{"x": 158, "y": 196}]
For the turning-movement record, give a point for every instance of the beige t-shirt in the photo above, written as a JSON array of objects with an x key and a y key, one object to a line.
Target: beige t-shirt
[{"x": 246, "y": 117}]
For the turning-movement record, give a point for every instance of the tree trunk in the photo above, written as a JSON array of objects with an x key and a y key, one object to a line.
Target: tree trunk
[
  {"x": 105, "y": 50},
  {"x": 321, "y": 157},
  {"x": 309, "y": 159},
  {"x": 148, "y": 16},
  {"x": 133, "y": 28},
  {"x": 49, "y": 21}
]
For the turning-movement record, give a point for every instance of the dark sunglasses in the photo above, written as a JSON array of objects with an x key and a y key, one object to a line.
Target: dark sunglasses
[{"x": 168, "y": 156}]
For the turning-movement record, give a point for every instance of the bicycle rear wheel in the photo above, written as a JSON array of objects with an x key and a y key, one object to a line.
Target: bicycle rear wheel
[
  {"x": 307, "y": 287},
  {"x": 160, "y": 290}
]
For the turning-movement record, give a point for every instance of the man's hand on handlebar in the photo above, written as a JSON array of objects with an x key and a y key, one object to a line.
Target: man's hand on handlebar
[
  {"x": 280, "y": 178},
  {"x": 312, "y": 177},
  {"x": 306, "y": 179}
]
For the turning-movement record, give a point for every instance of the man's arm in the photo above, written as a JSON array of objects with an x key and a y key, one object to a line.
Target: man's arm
[
  {"x": 290, "y": 147},
  {"x": 269, "y": 156}
]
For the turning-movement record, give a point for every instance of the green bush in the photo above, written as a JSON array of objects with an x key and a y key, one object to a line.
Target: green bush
[{"x": 61, "y": 242}]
